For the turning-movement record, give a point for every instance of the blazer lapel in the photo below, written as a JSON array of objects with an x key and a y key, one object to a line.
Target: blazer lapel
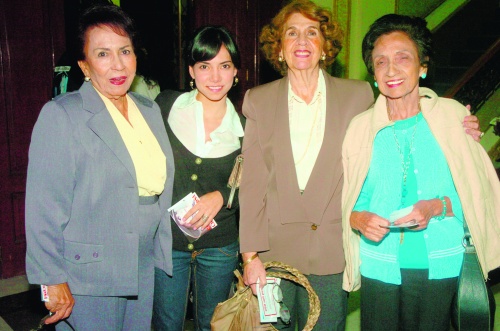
[
  {"x": 327, "y": 172},
  {"x": 286, "y": 176},
  {"x": 157, "y": 127},
  {"x": 104, "y": 127}
]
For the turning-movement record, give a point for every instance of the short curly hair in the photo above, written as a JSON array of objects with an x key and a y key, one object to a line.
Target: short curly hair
[
  {"x": 414, "y": 27},
  {"x": 272, "y": 34}
]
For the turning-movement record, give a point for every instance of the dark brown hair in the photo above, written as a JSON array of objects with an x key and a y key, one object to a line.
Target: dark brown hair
[
  {"x": 105, "y": 14},
  {"x": 414, "y": 27}
]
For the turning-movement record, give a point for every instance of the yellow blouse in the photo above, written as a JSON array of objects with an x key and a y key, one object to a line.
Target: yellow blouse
[{"x": 148, "y": 158}]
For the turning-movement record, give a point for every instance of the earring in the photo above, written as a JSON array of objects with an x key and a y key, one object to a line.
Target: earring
[
  {"x": 236, "y": 80},
  {"x": 280, "y": 58},
  {"x": 424, "y": 75},
  {"x": 375, "y": 84},
  {"x": 323, "y": 57},
  {"x": 87, "y": 78},
  {"x": 191, "y": 83}
]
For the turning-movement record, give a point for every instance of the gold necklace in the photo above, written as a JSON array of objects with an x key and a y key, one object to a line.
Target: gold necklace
[{"x": 405, "y": 164}]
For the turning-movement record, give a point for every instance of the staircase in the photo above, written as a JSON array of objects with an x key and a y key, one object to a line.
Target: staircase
[{"x": 461, "y": 41}]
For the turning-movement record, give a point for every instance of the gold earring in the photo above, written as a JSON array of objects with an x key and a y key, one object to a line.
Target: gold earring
[
  {"x": 236, "y": 80},
  {"x": 87, "y": 78},
  {"x": 191, "y": 83},
  {"x": 323, "y": 57},
  {"x": 280, "y": 58}
]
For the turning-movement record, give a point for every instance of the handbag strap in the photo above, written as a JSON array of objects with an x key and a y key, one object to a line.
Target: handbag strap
[{"x": 467, "y": 240}]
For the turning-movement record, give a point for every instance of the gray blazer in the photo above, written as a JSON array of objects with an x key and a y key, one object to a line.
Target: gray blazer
[{"x": 82, "y": 198}]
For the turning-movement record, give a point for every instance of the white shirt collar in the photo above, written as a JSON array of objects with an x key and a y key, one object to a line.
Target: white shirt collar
[{"x": 231, "y": 121}]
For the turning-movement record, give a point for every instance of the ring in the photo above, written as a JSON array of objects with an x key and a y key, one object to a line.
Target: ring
[
  {"x": 481, "y": 135},
  {"x": 204, "y": 217}
]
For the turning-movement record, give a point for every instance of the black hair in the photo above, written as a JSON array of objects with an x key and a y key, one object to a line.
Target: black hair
[
  {"x": 207, "y": 43},
  {"x": 414, "y": 27},
  {"x": 107, "y": 14}
]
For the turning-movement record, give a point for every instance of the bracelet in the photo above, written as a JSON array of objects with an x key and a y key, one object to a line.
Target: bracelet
[
  {"x": 253, "y": 257},
  {"x": 443, "y": 214}
]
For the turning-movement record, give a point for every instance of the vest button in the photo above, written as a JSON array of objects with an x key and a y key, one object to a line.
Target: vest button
[
  {"x": 194, "y": 177},
  {"x": 198, "y": 160},
  {"x": 190, "y": 247},
  {"x": 314, "y": 227}
]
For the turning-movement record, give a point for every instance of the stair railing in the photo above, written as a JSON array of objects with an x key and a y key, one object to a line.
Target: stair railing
[{"x": 480, "y": 81}]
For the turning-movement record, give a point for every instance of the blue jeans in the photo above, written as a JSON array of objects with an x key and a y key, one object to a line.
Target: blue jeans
[{"x": 207, "y": 274}]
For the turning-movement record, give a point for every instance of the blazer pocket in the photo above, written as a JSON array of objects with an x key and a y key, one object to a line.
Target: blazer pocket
[{"x": 81, "y": 253}]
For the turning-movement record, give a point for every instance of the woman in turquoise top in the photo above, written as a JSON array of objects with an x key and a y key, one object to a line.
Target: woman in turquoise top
[{"x": 408, "y": 211}]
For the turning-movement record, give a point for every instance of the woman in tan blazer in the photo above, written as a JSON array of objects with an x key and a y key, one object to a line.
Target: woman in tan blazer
[{"x": 290, "y": 193}]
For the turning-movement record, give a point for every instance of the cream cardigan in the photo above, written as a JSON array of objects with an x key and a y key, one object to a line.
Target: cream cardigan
[{"x": 475, "y": 178}]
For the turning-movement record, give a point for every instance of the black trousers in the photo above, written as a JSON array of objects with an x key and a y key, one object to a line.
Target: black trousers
[{"x": 418, "y": 303}]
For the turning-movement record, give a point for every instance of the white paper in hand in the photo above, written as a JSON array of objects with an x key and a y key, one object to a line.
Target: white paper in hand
[
  {"x": 179, "y": 210},
  {"x": 397, "y": 214},
  {"x": 269, "y": 308}
]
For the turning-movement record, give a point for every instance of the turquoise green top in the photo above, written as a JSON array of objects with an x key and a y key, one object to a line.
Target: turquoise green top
[
  {"x": 438, "y": 247},
  {"x": 413, "y": 241}
]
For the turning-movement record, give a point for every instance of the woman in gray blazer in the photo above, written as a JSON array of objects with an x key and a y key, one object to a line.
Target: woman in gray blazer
[{"x": 99, "y": 184}]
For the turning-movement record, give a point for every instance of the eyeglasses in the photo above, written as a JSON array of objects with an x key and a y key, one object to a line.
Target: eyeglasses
[{"x": 278, "y": 297}]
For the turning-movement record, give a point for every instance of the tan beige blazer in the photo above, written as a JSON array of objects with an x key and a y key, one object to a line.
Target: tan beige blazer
[{"x": 303, "y": 230}]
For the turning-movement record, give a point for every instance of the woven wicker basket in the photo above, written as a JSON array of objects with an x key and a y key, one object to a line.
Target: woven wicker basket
[{"x": 294, "y": 275}]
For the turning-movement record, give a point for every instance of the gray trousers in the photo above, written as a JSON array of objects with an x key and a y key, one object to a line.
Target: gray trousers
[
  {"x": 331, "y": 295},
  {"x": 122, "y": 313}
]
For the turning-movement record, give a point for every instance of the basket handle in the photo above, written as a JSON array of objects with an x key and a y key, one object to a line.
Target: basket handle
[{"x": 294, "y": 275}]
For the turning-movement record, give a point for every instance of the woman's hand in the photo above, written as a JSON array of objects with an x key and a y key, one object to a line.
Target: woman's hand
[
  {"x": 369, "y": 224},
  {"x": 471, "y": 125},
  {"x": 205, "y": 210},
  {"x": 60, "y": 302},
  {"x": 252, "y": 271},
  {"x": 424, "y": 210}
]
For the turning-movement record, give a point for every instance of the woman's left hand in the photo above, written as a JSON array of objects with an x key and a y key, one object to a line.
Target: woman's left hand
[
  {"x": 205, "y": 210},
  {"x": 422, "y": 212}
]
